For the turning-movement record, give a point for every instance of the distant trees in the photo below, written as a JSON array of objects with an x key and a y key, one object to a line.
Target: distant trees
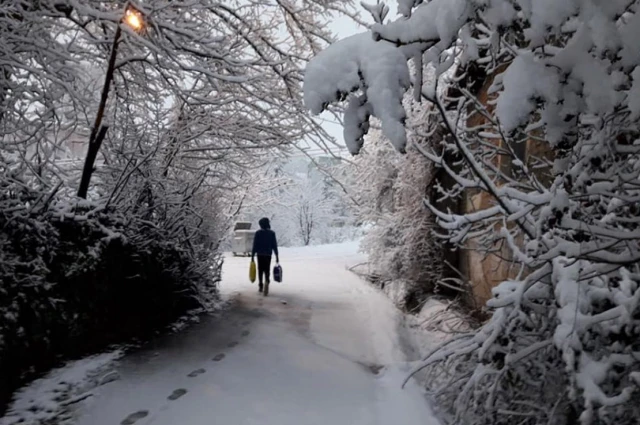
[
  {"x": 305, "y": 205},
  {"x": 310, "y": 210}
]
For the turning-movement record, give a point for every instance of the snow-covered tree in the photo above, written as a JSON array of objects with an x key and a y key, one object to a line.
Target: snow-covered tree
[
  {"x": 541, "y": 110},
  {"x": 309, "y": 210},
  {"x": 226, "y": 74}
]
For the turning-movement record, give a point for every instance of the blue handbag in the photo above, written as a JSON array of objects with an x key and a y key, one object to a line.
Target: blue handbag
[{"x": 277, "y": 273}]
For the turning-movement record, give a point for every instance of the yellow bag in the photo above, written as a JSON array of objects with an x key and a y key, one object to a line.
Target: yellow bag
[{"x": 252, "y": 271}]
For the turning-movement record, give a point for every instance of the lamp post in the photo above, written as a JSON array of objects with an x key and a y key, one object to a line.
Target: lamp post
[{"x": 133, "y": 18}]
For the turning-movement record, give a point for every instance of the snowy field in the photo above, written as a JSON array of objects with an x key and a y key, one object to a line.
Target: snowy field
[{"x": 323, "y": 348}]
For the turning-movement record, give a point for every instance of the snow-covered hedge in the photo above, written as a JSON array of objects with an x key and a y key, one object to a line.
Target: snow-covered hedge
[
  {"x": 75, "y": 279},
  {"x": 544, "y": 119}
]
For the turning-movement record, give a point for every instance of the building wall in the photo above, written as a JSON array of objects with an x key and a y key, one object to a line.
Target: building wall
[{"x": 485, "y": 270}]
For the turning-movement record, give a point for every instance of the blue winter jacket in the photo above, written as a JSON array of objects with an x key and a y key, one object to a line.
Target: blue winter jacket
[{"x": 264, "y": 243}]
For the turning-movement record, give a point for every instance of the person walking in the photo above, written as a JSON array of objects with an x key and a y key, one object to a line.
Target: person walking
[{"x": 264, "y": 244}]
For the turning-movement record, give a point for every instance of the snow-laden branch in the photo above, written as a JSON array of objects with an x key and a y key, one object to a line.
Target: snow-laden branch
[{"x": 358, "y": 63}]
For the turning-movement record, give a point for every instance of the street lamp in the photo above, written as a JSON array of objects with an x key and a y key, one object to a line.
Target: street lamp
[{"x": 134, "y": 19}]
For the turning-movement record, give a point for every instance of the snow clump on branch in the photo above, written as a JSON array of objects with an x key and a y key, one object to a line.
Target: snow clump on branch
[{"x": 358, "y": 63}]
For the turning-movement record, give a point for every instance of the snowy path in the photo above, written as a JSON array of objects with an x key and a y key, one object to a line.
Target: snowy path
[{"x": 308, "y": 354}]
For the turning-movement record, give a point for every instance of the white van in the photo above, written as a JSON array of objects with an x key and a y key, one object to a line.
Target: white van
[{"x": 242, "y": 243}]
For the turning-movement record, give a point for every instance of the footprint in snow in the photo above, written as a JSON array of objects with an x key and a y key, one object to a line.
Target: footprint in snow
[
  {"x": 246, "y": 323},
  {"x": 134, "y": 417},
  {"x": 219, "y": 357},
  {"x": 176, "y": 394},
  {"x": 196, "y": 373},
  {"x": 375, "y": 368},
  {"x": 245, "y": 333},
  {"x": 232, "y": 344}
]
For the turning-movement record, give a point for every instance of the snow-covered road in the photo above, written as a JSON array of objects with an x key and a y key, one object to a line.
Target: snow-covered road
[{"x": 323, "y": 348}]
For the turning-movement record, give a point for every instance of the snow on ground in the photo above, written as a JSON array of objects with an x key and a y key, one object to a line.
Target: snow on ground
[
  {"x": 324, "y": 348},
  {"x": 44, "y": 400},
  {"x": 320, "y": 273},
  {"x": 436, "y": 322}
]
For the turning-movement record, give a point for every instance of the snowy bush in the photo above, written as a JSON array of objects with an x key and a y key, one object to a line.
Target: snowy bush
[
  {"x": 75, "y": 279},
  {"x": 542, "y": 114},
  {"x": 404, "y": 255}
]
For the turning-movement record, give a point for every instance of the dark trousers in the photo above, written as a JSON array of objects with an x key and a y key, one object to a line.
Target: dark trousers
[{"x": 264, "y": 265}]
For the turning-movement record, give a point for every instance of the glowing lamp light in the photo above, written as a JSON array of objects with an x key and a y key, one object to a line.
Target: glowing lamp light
[{"x": 133, "y": 18}]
